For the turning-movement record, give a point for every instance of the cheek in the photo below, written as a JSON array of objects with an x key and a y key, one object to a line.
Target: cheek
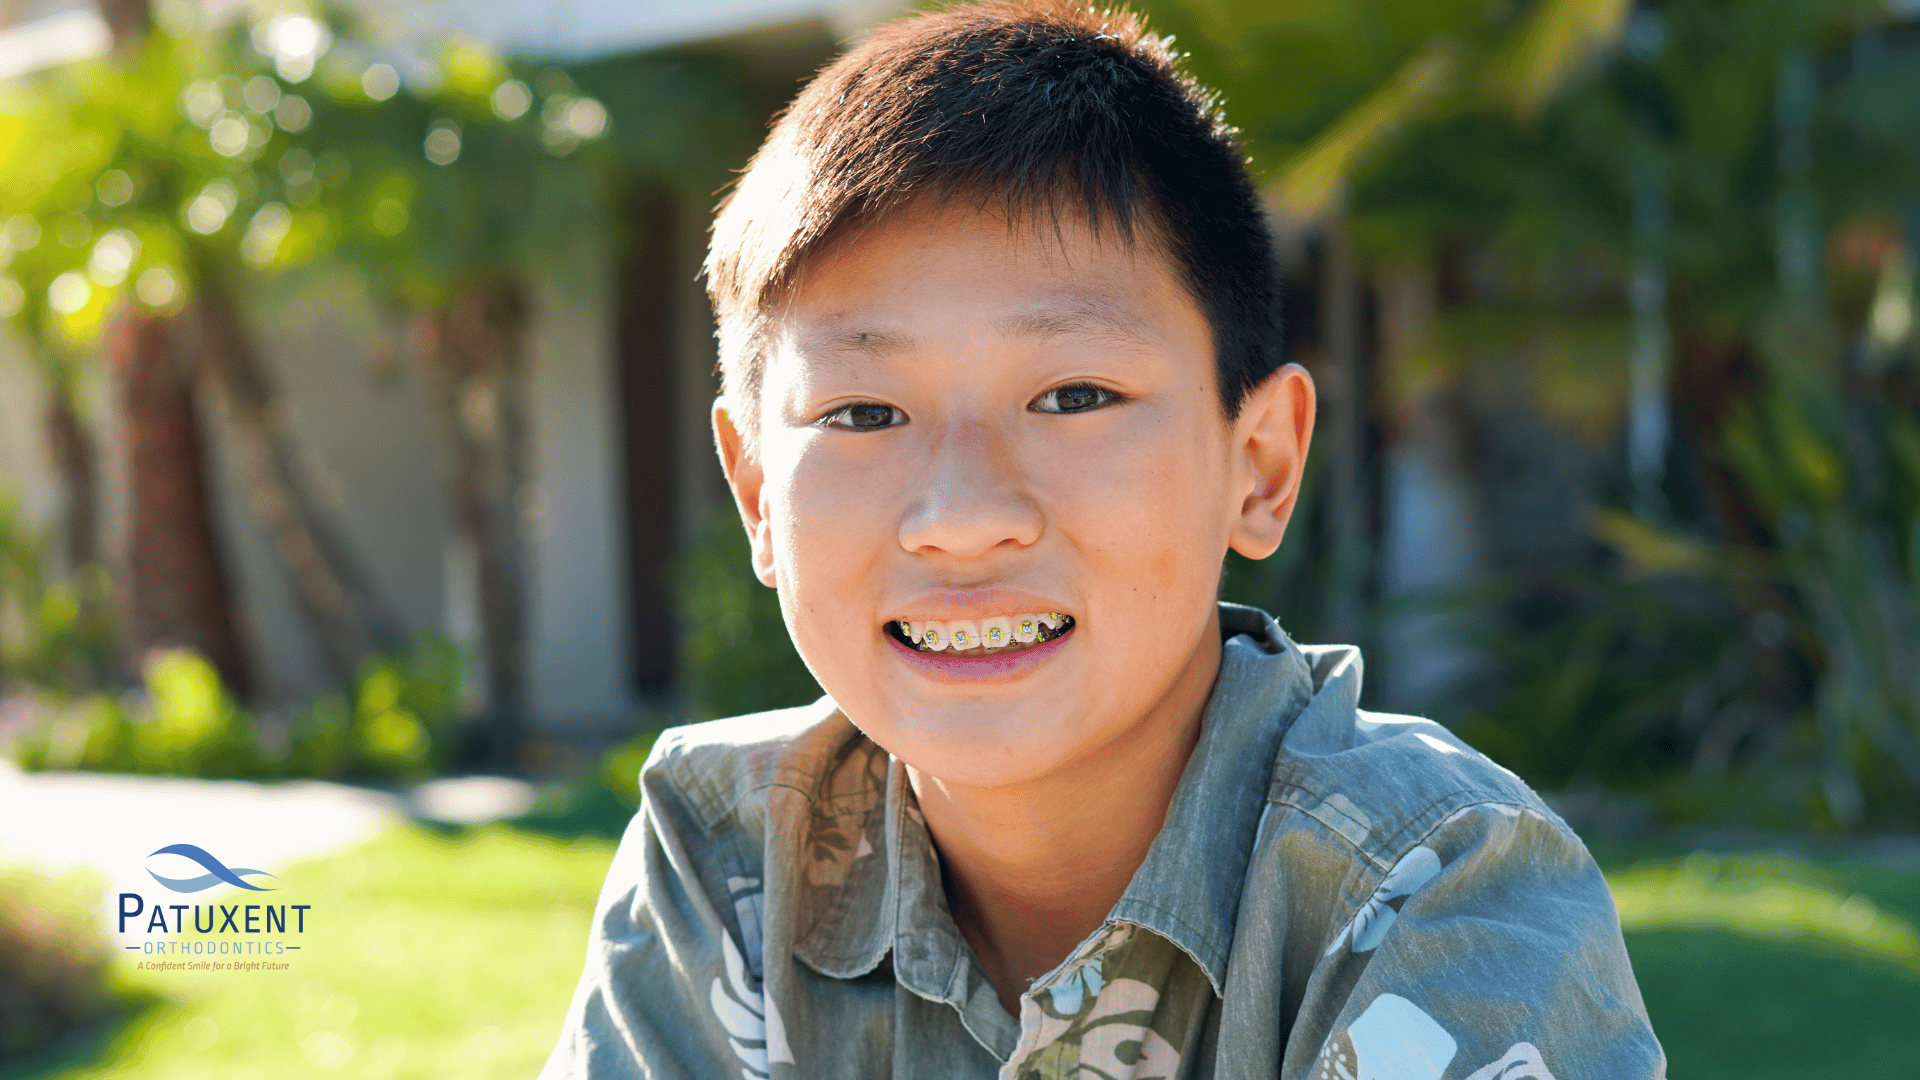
[
  {"x": 831, "y": 521},
  {"x": 1155, "y": 505}
]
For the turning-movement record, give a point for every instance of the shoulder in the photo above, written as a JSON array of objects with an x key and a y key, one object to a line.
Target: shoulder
[
  {"x": 1385, "y": 782},
  {"x": 713, "y": 768}
]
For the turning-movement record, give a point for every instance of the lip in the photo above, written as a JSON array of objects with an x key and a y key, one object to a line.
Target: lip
[
  {"x": 955, "y": 605},
  {"x": 986, "y": 667}
]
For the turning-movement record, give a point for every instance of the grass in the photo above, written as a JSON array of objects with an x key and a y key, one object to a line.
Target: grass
[
  {"x": 429, "y": 954},
  {"x": 1763, "y": 966},
  {"x": 440, "y": 954}
]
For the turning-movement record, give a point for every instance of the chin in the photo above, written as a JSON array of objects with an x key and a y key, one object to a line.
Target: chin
[{"x": 962, "y": 746}]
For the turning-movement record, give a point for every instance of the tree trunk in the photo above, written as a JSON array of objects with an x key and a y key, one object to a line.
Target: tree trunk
[
  {"x": 127, "y": 23},
  {"x": 176, "y": 590},
  {"x": 1344, "y": 414},
  {"x": 75, "y": 460},
  {"x": 342, "y": 606},
  {"x": 472, "y": 355}
]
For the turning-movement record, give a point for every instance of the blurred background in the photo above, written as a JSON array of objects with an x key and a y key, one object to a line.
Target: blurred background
[{"x": 358, "y": 507}]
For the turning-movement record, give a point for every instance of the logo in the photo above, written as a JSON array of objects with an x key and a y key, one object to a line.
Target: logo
[
  {"x": 240, "y": 936},
  {"x": 217, "y": 872}
]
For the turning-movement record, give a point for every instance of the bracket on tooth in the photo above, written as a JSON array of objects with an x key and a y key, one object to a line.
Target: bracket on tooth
[{"x": 998, "y": 632}]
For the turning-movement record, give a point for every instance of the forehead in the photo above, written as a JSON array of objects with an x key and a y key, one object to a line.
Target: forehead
[{"x": 884, "y": 287}]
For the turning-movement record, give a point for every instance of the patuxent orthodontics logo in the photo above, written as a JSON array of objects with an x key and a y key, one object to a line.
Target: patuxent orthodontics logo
[{"x": 224, "y": 937}]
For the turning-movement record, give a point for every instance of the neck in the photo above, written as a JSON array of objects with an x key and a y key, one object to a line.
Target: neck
[{"x": 1031, "y": 869}]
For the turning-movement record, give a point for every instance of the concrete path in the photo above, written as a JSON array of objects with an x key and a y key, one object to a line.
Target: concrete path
[{"x": 113, "y": 825}]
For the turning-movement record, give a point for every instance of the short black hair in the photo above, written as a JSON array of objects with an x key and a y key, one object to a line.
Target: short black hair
[{"x": 1036, "y": 104}]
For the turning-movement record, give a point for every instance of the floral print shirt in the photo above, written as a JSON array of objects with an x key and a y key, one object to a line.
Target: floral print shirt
[{"x": 1336, "y": 895}]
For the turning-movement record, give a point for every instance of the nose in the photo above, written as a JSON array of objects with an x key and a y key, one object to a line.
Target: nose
[{"x": 975, "y": 496}]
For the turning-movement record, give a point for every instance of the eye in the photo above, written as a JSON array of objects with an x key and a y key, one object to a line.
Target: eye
[
  {"x": 1075, "y": 398},
  {"x": 864, "y": 416}
]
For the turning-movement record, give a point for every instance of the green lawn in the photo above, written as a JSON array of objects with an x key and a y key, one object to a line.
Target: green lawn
[
  {"x": 429, "y": 956},
  {"x": 1760, "y": 966},
  {"x": 436, "y": 955}
]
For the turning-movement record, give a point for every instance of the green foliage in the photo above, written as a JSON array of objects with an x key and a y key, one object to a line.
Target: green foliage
[
  {"x": 53, "y": 633},
  {"x": 113, "y": 194},
  {"x": 620, "y": 766},
  {"x": 401, "y": 720},
  {"x": 1294, "y": 584},
  {"x": 735, "y": 654},
  {"x": 131, "y": 182},
  {"x": 399, "y": 724},
  {"x": 1611, "y": 679},
  {"x": 1766, "y": 673},
  {"x": 53, "y": 961},
  {"x": 1834, "y": 458},
  {"x": 1320, "y": 91}
]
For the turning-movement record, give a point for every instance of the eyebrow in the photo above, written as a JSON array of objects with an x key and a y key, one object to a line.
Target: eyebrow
[
  {"x": 837, "y": 344},
  {"x": 1084, "y": 316}
]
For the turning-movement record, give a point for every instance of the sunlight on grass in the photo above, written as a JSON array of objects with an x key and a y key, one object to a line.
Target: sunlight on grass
[
  {"x": 435, "y": 955},
  {"x": 428, "y": 956},
  {"x": 1766, "y": 897}
]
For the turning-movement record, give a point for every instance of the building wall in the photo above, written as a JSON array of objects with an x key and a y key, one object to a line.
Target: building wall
[
  {"x": 355, "y": 405},
  {"x": 579, "y": 632},
  {"x": 357, "y": 409}
]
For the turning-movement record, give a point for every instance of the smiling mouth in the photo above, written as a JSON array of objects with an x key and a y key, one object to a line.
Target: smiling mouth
[{"x": 997, "y": 636}]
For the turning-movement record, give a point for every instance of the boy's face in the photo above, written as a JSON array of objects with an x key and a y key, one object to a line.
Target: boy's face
[{"x": 963, "y": 422}]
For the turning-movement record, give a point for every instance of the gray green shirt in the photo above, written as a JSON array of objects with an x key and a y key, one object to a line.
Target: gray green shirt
[{"x": 1336, "y": 895}]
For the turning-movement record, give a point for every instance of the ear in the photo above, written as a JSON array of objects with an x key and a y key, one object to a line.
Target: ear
[
  {"x": 1271, "y": 437},
  {"x": 748, "y": 482}
]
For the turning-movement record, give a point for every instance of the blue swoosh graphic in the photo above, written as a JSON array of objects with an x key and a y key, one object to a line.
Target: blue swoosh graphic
[
  {"x": 205, "y": 881},
  {"x": 217, "y": 871}
]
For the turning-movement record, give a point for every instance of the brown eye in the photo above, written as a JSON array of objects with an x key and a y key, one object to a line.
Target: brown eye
[
  {"x": 1073, "y": 399},
  {"x": 865, "y": 416}
]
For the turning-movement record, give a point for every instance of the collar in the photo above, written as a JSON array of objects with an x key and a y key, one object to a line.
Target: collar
[{"x": 1186, "y": 890}]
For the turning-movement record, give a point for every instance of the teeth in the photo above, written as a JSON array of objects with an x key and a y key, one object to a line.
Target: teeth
[{"x": 998, "y": 632}]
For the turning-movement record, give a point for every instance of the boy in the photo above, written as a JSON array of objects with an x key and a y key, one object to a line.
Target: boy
[{"x": 1000, "y": 344}]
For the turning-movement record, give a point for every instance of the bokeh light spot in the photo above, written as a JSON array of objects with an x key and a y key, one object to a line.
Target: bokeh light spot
[
  {"x": 380, "y": 82},
  {"x": 114, "y": 187},
  {"x": 69, "y": 293},
  {"x": 511, "y": 100}
]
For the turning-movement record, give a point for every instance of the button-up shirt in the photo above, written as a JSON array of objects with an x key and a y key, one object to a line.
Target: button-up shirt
[{"x": 1335, "y": 895}]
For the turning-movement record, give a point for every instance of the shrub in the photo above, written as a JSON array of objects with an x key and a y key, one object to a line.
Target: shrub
[
  {"x": 735, "y": 654},
  {"x": 52, "y": 633},
  {"x": 53, "y": 964},
  {"x": 398, "y": 724}
]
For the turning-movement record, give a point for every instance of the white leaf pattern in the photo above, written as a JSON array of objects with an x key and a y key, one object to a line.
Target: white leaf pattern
[
  {"x": 1375, "y": 917},
  {"x": 757, "y": 1035},
  {"x": 740, "y": 1021},
  {"x": 1126, "y": 1051},
  {"x": 1394, "y": 1039},
  {"x": 1521, "y": 1062}
]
